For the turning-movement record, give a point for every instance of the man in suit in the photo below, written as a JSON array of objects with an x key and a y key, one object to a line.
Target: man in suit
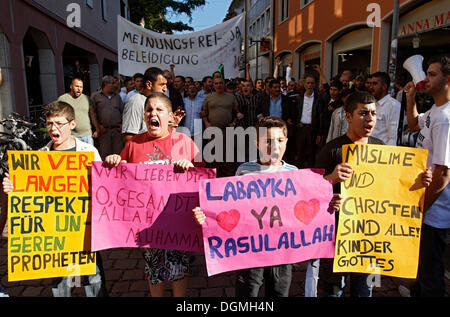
[
  {"x": 275, "y": 104},
  {"x": 306, "y": 118}
]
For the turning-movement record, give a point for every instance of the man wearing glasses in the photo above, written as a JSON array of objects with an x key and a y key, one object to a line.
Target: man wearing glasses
[{"x": 60, "y": 122}]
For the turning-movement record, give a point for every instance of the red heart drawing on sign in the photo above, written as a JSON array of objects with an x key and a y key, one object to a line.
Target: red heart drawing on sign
[
  {"x": 228, "y": 220},
  {"x": 306, "y": 211}
]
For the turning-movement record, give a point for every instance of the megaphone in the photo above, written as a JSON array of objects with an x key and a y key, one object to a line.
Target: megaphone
[{"x": 414, "y": 66}]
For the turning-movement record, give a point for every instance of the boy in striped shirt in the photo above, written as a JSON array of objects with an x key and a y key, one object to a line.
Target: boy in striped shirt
[{"x": 271, "y": 146}]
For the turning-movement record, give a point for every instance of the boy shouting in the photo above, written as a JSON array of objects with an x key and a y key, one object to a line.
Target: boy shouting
[{"x": 60, "y": 121}]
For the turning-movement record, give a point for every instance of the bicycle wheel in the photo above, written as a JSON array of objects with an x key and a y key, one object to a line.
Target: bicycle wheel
[{"x": 5, "y": 146}]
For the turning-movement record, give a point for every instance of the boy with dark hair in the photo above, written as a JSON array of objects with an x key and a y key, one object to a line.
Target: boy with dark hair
[
  {"x": 360, "y": 113},
  {"x": 271, "y": 146},
  {"x": 271, "y": 143},
  {"x": 60, "y": 121}
]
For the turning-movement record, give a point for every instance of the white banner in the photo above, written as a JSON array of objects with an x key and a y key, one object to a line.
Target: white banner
[{"x": 196, "y": 54}]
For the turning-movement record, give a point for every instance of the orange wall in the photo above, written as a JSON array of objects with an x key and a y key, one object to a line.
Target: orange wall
[{"x": 321, "y": 19}]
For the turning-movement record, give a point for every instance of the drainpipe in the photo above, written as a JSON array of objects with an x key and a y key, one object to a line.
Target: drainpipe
[{"x": 394, "y": 47}]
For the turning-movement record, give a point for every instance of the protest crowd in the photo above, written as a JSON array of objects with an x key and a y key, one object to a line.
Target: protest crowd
[{"x": 140, "y": 119}]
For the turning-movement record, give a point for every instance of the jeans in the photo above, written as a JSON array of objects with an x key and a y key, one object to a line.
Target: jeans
[
  {"x": 430, "y": 276},
  {"x": 333, "y": 284},
  {"x": 96, "y": 283},
  {"x": 87, "y": 139},
  {"x": 312, "y": 278},
  {"x": 3, "y": 292},
  {"x": 305, "y": 146},
  {"x": 278, "y": 281}
]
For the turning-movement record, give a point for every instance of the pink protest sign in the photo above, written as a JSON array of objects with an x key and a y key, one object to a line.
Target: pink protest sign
[
  {"x": 266, "y": 219},
  {"x": 139, "y": 205}
]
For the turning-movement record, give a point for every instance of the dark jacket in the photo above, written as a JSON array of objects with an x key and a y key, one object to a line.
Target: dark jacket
[
  {"x": 316, "y": 111},
  {"x": 287, "y": 106}
]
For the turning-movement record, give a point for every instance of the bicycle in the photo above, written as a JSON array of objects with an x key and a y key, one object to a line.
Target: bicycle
[{"x": 18, "y": 137}]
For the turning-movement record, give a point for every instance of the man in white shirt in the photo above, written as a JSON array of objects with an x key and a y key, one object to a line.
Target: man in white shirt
[
  {"x": 388, "y": 109},
  {"x": 307, "y": 119},
  {"x": 435, "y": 137}
]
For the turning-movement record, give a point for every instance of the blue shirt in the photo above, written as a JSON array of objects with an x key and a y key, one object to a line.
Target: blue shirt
[
  {"x": 275, "y": 107},
  {"x": 192, "y": 108}
]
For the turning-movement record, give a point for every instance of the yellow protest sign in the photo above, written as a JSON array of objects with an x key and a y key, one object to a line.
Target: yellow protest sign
[
  {"x": 381, "y": 213},
  {"x": 49, "y": 215}
]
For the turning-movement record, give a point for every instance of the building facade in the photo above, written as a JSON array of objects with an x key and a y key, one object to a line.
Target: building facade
[
  {"x": 258, "y": 25},
  {"x": 356, "y": 34},
  {"x": 46, "y": 43}
]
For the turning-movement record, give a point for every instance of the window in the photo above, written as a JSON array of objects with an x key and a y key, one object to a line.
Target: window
[
  {"x": 104, "y": 10},
  {"x": 304, "y": 3},
  {"x": 262, "y": 31},
  {"x": 283, "y": 10},
  {"x": 267, "y": 31},
  {"x": 263, "y": 24},
  {"x": 90, "y": 3},
  {"x": 258, "y": 29},
  {"x": 124, "y": 10}
]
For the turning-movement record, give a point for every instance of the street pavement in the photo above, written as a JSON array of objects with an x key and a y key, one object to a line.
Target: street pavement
[{"x": 124, "y": 276}]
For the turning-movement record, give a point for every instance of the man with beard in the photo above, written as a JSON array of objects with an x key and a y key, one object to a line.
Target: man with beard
[{"x": 84, "y": 112}]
